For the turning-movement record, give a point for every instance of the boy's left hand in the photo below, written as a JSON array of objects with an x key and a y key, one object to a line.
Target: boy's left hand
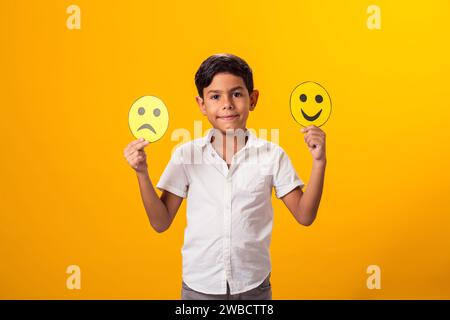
[{"x": 315, "y": 139}]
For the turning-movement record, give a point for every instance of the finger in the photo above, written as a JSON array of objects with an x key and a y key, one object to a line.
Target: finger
[
  {"x": 142, "y": 154},
  {"x": 129, "y": 147},
  {"x": 314, "y": 134},
  {"x": 141, "y": 145},
  {"x": 136, "y": 160},
  {"x": 315, "y": 129},
  {"x": 316, "y": 142},
  {"x": 134, "y": 142},
  {"x": 137, "y": 146},
  {"x": 138, "y": 152},
  {"x": 131, "y": 159},
  {"x": 132, "y": 154},
  {"x": 139, "y": 158},
  {"x": 308, "y": 137},
  {"x": 313, "y": 141},
  {"x": 308, "y": 128},
  {"x": 307, "y": 140}
]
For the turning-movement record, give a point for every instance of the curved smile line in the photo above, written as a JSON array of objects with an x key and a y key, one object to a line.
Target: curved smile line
[
  {"x": 311, "y": 118},
  {"x": 147, "y": 126}
]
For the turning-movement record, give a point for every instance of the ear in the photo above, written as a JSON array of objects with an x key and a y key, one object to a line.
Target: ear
[
  {"x": 201, "y": 105},
  {"x": 254, "y": 99}
]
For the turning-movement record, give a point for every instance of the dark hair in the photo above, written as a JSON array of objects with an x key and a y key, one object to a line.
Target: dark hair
[{"x": 223, "y": 63}]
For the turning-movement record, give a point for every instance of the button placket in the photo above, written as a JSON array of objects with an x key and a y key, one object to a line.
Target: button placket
[
  {"x": 227, "y": 229},
  {"x": 216, "y": 161}
]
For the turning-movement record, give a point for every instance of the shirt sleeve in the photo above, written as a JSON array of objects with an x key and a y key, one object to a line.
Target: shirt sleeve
[
  {"x": 174, "y": 178},
  {"x": 285, "y": 178}
]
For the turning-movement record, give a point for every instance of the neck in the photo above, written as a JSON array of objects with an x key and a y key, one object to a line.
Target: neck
[{"x": 227, "y": 144}]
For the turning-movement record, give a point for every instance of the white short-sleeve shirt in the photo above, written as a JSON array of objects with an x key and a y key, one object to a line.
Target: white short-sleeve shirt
[{"x": 229, "y": 210}]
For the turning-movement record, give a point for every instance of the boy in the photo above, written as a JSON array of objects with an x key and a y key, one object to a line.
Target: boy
[{"x": 229, "y": 210}]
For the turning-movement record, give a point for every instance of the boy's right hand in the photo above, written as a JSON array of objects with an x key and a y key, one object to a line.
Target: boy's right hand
[{"x": 135, "y": 155}]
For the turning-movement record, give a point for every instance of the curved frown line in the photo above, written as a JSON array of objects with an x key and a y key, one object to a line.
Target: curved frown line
[{"x": 147, "y": 126}]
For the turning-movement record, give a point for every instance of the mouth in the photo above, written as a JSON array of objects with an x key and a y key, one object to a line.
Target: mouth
[
  {"x": 229, "y": 117},
  {"x": 311, "y": 118},
  {"x": 147, "y": 126}
]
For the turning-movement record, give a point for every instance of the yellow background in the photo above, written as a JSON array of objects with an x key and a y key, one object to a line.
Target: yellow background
[{"x": 69, "y": 197}]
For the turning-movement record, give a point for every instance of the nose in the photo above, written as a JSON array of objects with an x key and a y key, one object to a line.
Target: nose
[{"x": 227, "y": 104}]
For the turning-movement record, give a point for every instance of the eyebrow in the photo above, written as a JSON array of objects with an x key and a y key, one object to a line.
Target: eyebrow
[{"x": 219, "y": 91}]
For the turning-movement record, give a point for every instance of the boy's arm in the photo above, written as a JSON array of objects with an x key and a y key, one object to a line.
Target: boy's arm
[
  {"x": 160, "y": 211},
  {"x": 304, "y": 206}
]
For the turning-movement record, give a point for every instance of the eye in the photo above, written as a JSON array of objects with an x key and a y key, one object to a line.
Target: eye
[
  {"x": 237, "y": 94},
  {"x": 156, "y": 112},
  {"x": 303, "y": 97},
  {"x": 141, "y": 111},
  {"x": 319, "y": 98},
  {"x": 214, "y": 97}
]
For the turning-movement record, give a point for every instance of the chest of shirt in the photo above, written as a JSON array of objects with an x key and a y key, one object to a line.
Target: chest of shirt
[{"x": 216, "y": 183}]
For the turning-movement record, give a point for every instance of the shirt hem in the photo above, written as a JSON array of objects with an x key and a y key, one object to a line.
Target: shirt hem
[
  {"x": 248, "y": 288},
  {"x": 289, "y": 188},
  {"x": 173, "y": 190}
]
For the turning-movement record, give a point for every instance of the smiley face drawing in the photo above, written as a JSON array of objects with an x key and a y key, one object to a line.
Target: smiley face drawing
[
  {"x": 148, "y": 118},
  {"x": 310, "y": 104}
]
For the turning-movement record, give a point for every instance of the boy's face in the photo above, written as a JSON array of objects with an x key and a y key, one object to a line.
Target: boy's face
[{"x": 226, "y": 102}]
